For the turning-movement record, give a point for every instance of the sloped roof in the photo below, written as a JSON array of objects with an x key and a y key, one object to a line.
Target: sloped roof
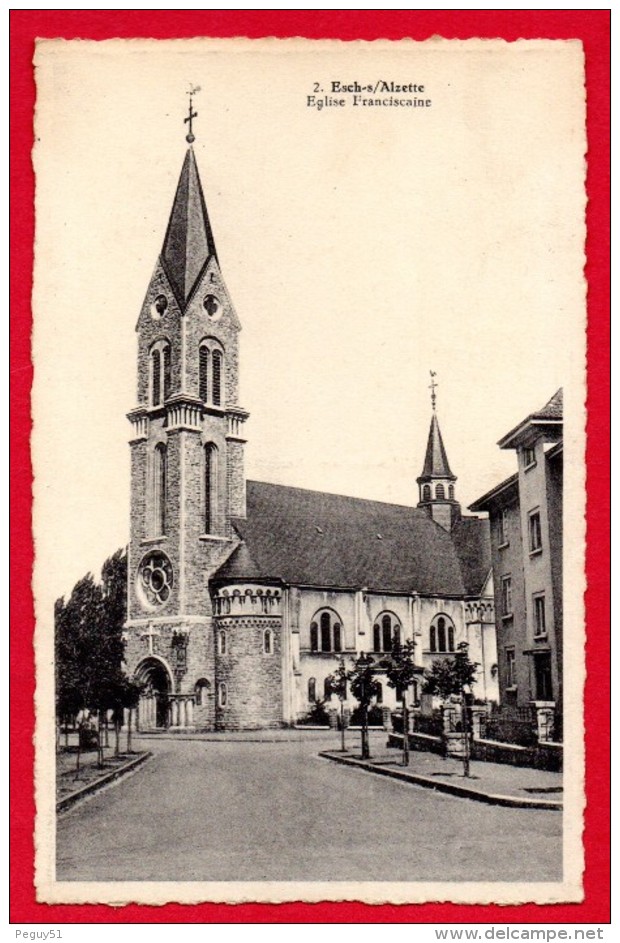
[
  {"x": 308, "y": 538},
  {"x": 472, "y": 541},
  {"x": 436, "y": 460},
  {"x": 189, "y": 242},
  {"x": 553, "y": 409}
]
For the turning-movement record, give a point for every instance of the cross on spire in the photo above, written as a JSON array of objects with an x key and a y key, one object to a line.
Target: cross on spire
[
  {"x": 432, "y": 387},
  {"x": 193, "y": 89}
]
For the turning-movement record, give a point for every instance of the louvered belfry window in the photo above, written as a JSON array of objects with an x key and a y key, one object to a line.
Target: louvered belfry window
[
  {"x": 166, "y": 371},
  {"x": 217, "y": 378},
  {"x": 156, "y": 369},
  {"x": 210, "y": 496},
  {"x": 203, "y": 370}
]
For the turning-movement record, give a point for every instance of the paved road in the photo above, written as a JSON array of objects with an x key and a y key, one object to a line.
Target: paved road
[{"x": 205, "y": 811}]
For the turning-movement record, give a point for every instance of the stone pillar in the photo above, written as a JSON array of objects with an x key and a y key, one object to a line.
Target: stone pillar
[
  {"x": 190, "y": 712},
  {"x": 174, "y": 718}
]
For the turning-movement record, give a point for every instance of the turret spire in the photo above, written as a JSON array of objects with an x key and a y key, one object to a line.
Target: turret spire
[{"x": 436, "y": 483}]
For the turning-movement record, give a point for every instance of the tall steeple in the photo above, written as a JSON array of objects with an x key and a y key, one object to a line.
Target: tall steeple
[
  {"x": 189, "y": 244},
  {"x": 436, "y": 483}
]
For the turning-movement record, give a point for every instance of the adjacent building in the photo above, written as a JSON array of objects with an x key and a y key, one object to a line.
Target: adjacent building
[{"x": 525, "y": 514}]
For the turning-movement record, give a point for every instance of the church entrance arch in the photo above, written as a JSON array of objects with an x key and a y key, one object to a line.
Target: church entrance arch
[{"x": 154, "y": 706}]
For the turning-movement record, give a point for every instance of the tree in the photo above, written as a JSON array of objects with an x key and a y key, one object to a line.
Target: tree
[
  {"x": 455, "y": 675},
  {"x": 364, "y": 687},
  {"x": 89, "y": 645},
  {"x": 338, "y": 686},
  {"x": 401, "y": 672}
]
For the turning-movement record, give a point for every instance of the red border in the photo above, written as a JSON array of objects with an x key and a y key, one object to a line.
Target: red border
[{"x": 593, "y": 28}]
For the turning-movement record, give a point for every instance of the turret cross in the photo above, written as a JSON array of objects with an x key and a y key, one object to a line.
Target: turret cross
[{"x": 432, "y": 387}]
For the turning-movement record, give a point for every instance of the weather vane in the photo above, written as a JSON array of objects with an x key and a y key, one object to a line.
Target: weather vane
[
  {"x": 432, "y": 387},
  {"x": 193, "y": 90}
]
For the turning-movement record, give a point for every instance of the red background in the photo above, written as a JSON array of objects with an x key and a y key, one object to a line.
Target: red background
[{"x": 592, "y": 27}]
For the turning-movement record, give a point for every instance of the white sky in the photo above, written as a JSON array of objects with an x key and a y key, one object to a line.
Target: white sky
[{"x": 361, "y": 247}]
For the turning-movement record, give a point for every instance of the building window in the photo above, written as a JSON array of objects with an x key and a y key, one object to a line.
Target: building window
[
  {"x": 440, "y": 492},
  {"x": 327, "y": 689},
  {"x": 210, "y": 489},
  {"x": 326, "y": 632},
  {"x": 160, "y": 485},
  {"x": 529, "y": 457},
  {"x": 540, "y": 622},
  {"x": 379, "y": 695},
  {"x": 506, "y": 595},
  {"x": 203, "y": 373},
  {"x": 268, "y": 642},
  {"x": 312, "y": 690},
  {"x": 451, "y": 492},
  {"x": 426, "y": 492},
  {"x": 222, "y": 642},
  {"x": 160, "y": 373},
  {"x": 502, "y": 527},
  {"x": 222, "y": 694},
  {"x": 535, "y": 532},
  {"x": 542, "y": 676},
  {"x": 511, "y": 677},
  {"x": 442, "y": 635},
  {"x": 385, "y": 633}
]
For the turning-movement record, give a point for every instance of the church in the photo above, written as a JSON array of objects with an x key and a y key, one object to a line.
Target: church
[{"x": 244, "y": 596}]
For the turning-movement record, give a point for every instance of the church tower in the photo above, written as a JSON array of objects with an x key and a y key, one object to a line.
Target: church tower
[
  {"x": 436, "y": 483},
  {"x": 187, "y": 475}
]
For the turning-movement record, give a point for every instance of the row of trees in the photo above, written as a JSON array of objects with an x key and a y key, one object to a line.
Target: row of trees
[
  {"x": 89, "y": 650},
  {"x": 446, "y": 677}
]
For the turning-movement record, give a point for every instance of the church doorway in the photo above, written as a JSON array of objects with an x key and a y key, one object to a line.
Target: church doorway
[{"x": 154, "y": 705}]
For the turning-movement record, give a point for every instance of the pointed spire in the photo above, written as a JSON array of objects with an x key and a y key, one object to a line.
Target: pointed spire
[
  {"x": 189, "y": 243},
  {"x": 436, "y": 461}
]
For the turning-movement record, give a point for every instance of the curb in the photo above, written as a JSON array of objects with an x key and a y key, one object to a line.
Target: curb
[
  {"x": 96, "y": 784},
  {"x": 452, "y": 789}
]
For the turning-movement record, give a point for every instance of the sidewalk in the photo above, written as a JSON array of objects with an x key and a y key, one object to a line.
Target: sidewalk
[{"x": 494, "y": 783}]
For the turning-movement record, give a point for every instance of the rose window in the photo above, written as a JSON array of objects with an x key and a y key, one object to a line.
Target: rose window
[{"x": 155, "y": 578}]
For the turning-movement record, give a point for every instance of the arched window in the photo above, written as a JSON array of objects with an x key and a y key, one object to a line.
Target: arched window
[
  {"x": 160, "y": 373},
  {"x": 222, "y": 642},
  {"x": 211, "y": 372},
  {"x": 160, "y": 487},
  {"x": 326, "y": 632},
  {"x": 268, "y": 642},
  {"x": 426, "y": 492},
  {"x": 211, "y": 487},
  {"x": 379, "y": 695},
  {"x": 385, "y": 632},
  {"x": 440, "y": 491},
  {"x": 222, "y": 694},
  {"x": 203, "y": 373},
  {"x": 442, "y": 634},
  {"x": 312, "y": 690},
  {"x": 327, "y": 689},
  {"x": 451, "y": 492},
  {"x": 217, "y": 378},
  {"x": 201, "y": 692}
]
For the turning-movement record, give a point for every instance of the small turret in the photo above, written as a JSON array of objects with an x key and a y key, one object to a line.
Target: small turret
[{"x": 436, "y": 483}]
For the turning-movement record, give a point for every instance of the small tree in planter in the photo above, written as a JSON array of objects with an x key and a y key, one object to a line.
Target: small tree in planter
[
  {"x": 455, "y": 675},
  {"x": 364, "y": 687},
  {"x": 338, "y": 686},
  {"x": 401, "y": 672}
]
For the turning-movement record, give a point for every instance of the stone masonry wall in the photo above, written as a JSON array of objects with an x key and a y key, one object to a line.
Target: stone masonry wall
[{"x": 253, "y": 678}]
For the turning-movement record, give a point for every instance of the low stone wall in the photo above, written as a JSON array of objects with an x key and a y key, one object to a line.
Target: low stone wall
[{"x": 544, "y": 756}]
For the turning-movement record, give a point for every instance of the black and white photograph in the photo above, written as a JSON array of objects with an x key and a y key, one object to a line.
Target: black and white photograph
[{"x": 309, "y": 345}]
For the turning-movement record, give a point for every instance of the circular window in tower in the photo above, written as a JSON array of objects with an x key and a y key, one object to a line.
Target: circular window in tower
[
  {"x": 212, "y": 306},
  {"x": 159, "y": 307},
  {"x": 155, "y": 579}
]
